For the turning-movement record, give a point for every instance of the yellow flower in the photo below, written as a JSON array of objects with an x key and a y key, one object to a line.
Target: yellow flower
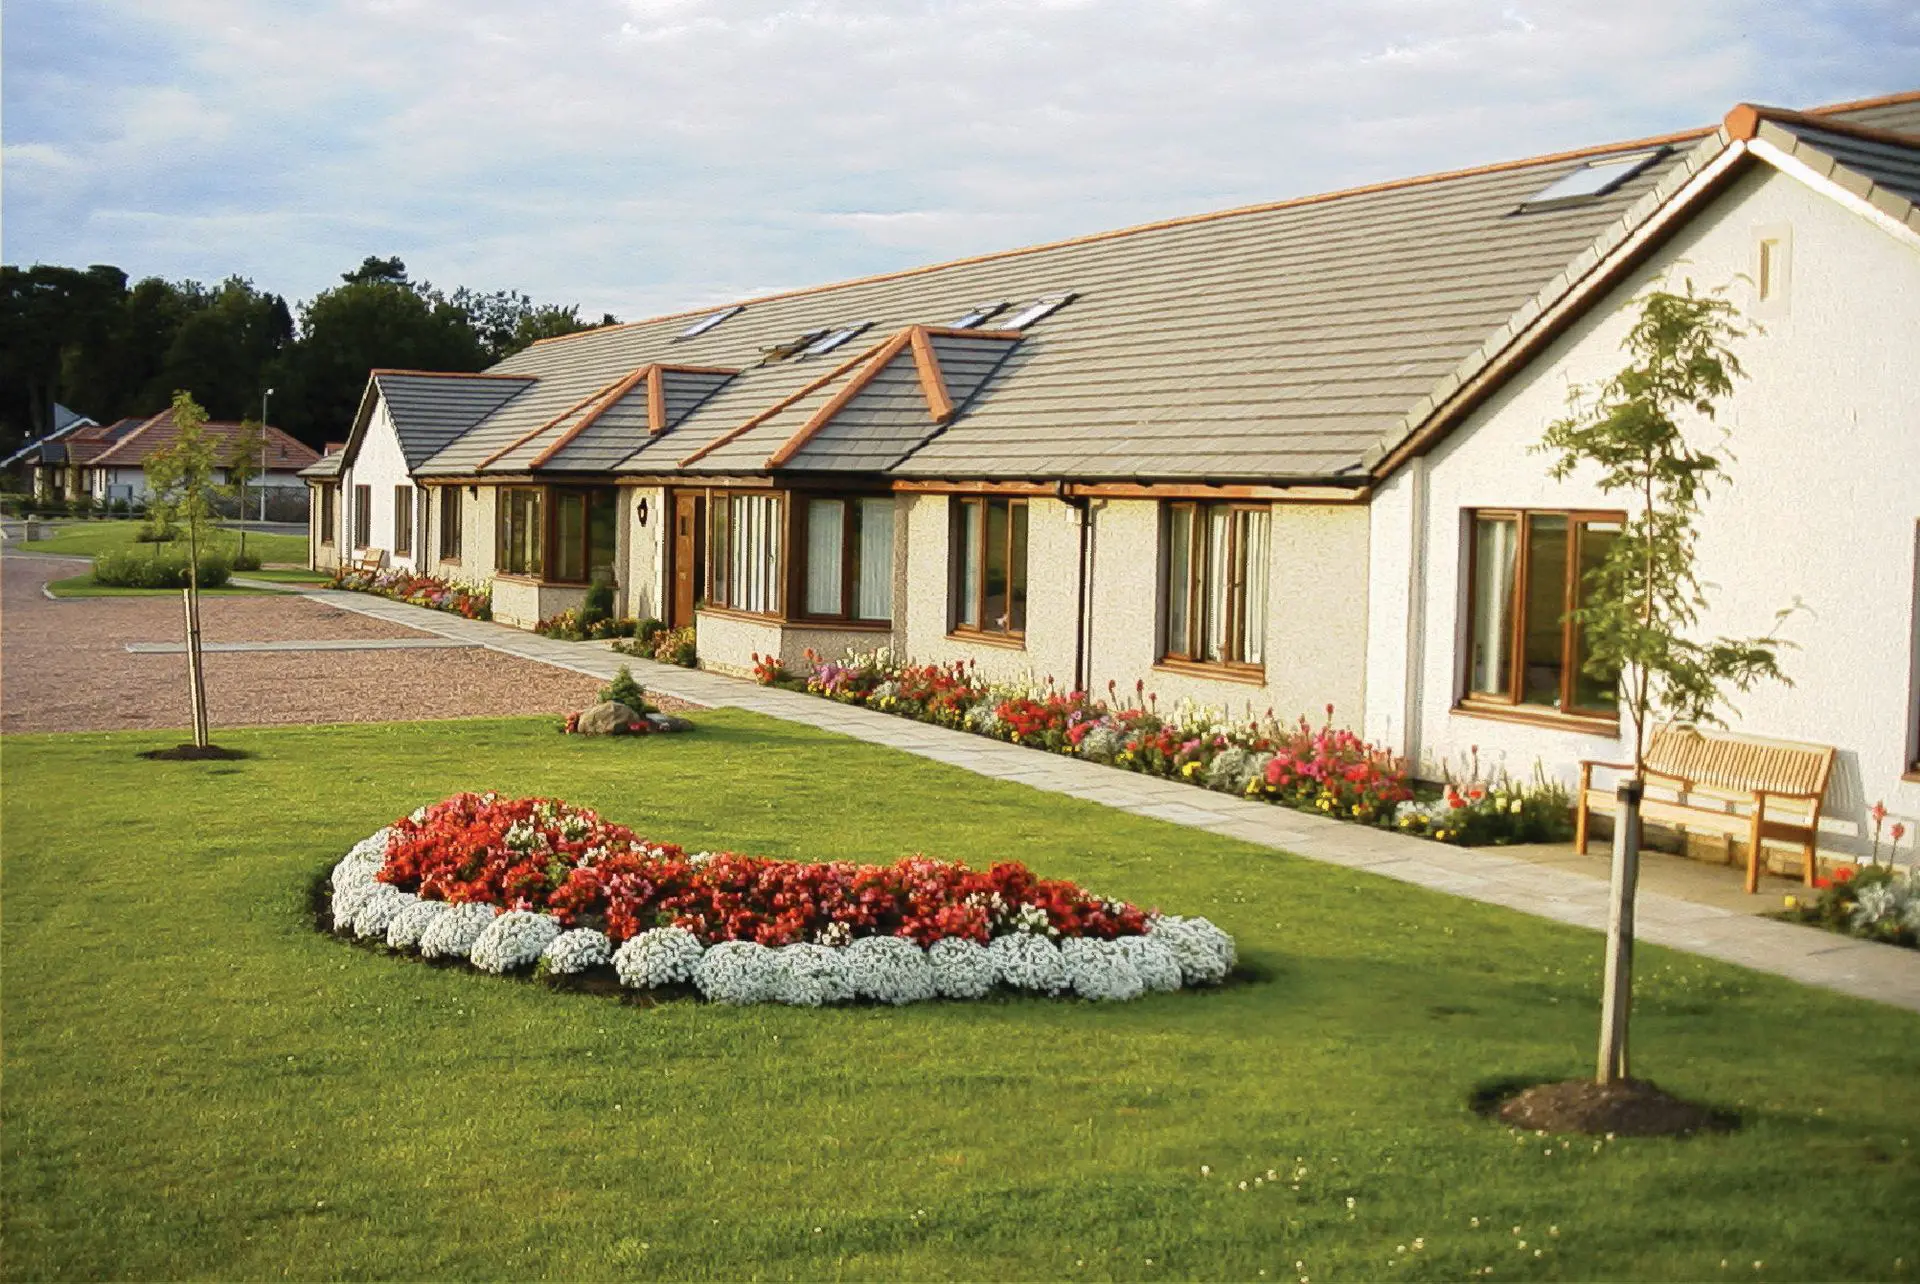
[{"x": 1793, "y": 902}]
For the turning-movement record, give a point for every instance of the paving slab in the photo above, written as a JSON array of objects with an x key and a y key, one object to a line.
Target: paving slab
[{"x": 1694, "y": 913}]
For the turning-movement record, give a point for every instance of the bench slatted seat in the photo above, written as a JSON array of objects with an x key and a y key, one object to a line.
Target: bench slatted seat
[
  {"x": 1763, "y": 790},
  {"x": 370, "y": 560}
]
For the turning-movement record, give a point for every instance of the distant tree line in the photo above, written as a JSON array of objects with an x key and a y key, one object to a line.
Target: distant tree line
[{"x": 86, "y": 338}]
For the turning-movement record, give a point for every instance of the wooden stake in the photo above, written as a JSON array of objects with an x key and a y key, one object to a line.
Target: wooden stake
[
  {"x": 195, "y": 695},
  {"x": 1617, "y": 998}
]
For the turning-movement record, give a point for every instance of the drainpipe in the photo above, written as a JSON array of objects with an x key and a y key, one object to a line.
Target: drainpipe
[
  {"x": 1416, "y": 646},
  {"x": 1082, "y": 641}
]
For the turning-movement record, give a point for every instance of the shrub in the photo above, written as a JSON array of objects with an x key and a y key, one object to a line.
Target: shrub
[
  {"x": 596, "y": 606},
  {"x": 644, "y": 631},
  {"x": 626, "y": 690},
  {"x": 157, "y": 532},
  {"x": 129, "y": 568},
  {"x": 119, "y": 507},
  {"x": 675, "y": 646},
  {"x": 564, "y": 626},
  {"x": 246, "y": 561}
]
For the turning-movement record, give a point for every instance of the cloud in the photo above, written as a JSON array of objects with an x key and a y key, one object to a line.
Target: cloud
[{"x": 640, "y": 156}]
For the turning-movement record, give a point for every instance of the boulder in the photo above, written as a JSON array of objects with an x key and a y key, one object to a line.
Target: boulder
[
  {"x": 608, "y": 718},
  {"x": 668, "y": 722}
]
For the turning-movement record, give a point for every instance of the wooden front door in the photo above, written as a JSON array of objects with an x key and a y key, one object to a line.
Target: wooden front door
[{"x": 689, "y": 555}]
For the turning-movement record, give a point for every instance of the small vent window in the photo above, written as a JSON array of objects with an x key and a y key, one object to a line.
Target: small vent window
[
  {"x": 976, "y": 315},
  {"x": 1595, "y": 178},
  {"x": 707, "y": 323},
  {"x": 820, "y": 347},
  {"x": 1039, "y": 310}
]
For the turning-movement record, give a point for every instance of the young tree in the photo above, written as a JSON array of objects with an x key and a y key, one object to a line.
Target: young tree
[
  {"x": 246, "y": 451},
  {"x": 181, "y": 477},
  {"x": 1644, "y": 599}
]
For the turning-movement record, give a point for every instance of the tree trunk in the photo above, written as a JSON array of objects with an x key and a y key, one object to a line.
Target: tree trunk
[
  {"x": 1617, "y": 997},
  {"x": 196, "y": 675}
]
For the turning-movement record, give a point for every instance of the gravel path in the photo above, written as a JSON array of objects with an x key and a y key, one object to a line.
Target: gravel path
[{"x": 64, "y": 664}]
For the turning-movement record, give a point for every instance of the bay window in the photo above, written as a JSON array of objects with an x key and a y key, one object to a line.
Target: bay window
[
  {"x": 988, "y": 576},
  {"x": 744, "y": 547},
  {"x": 1214, "y": 583},
  {"x": 1527, "y": 574},
  {"x": 849, "y": 558},
  {"x": 522, "y": 530}
]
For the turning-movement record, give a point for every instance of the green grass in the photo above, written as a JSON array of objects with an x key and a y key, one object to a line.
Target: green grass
[
  {"x": 90, "y": 539},
  {"x": 83, "y": 586},
  {"x": 278, "y": 576},
  {"x": 198, "y": 1084}
]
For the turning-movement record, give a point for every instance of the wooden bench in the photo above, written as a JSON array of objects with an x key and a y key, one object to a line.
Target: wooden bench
[
  {"x": 370, "y": 560},
  {"x": 1765, "y": 791}
]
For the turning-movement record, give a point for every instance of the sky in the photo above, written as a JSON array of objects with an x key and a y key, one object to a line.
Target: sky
[{"x": 648, "y": 156}]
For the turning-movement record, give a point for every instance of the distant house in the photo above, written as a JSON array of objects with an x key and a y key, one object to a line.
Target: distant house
[
  {"x": 1270, "y": 458},
  {"x": 113, "y": 466},
  {"x": 26, "y": 464}
]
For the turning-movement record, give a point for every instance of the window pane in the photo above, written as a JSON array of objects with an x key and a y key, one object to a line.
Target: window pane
[
  {"x": 1017, "y": 571},
  {"x": 966, "y": 606},
  {"x": 1595, "y": 541},
  {"x": 1494, "y": 546},
  {"x": 825, "y": 529},
  {"x": 603, "y": 535},
  {"x": 1179, "y": 587},
  {"x": 1544, "y": 656},
  {"x": 996, "y": 603},
  {"x": 1213, "y": 605},
  {"x": 570, "y": 537},
  {"x": 1251, "y": 645},
  {"x": 873, "y": 560},
  {"x": 720, "y": 552}
]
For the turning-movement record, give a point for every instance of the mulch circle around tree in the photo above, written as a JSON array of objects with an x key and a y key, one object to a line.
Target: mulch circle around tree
[
  {"x": 195, "y": 753},
  {"x": 1629, "y": 1108}
]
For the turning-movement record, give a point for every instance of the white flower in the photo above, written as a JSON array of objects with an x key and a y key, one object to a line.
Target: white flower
[
  {"x": 576, "y": 951},
  {"x": 1100, "y": 744},
  {"x": 962, "y": 969},
  {"x": 377, "y": 910},
  {"x": 452, "y": 934},
  {"x": 1205, "y": 953},
  {"x": 807, "y": 976},
  {"x": 1153, "y": 958},
  {"x": 1034, "y": 920},
  {"x": 735, "y": 972},
  {"x": 890, "y": 969},
  {"x": 515, "y": 939},
  {"x": 407, "y": 927},
  {"x": 1100, "y": 969},
  {"x": 662, "y": 956},
  {"x": 835, "y": 933},
  {"x": 1028, "y": 962}
]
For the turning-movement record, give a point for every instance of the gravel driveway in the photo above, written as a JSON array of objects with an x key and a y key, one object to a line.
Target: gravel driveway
[{"x": 64, "y": 664}]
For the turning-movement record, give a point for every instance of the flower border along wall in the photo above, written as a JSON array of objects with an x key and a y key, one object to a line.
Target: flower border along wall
[{"x": 536, "y": 884}]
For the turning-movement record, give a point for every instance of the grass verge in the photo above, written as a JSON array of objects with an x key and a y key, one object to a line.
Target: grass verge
[
  {"x": 91, "y": 539},
  {"x": 83, "y": 586},
  {"x": 198, "y": 1084}
]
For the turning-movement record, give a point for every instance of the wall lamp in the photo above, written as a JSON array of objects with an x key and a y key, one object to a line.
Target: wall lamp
[{"x": 641, "y": 512}]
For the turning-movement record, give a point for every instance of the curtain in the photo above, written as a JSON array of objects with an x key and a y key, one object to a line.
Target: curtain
[
  {"x": 1253, "y": 536},
  {"x": 1214, "y": 647},
  {"x": 826, "y": 529},
  {"x": 1494, "y": 547},
  {"x": 966, "y": 606},
  {"x": 873, "y": 555}
]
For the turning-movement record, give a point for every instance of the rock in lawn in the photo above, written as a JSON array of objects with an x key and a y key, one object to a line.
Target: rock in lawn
[
  {"x": 668, "y": 722},
  {"x": 608, "y": 718}
]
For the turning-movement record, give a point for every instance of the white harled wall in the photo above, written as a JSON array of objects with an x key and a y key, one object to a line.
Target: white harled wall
[
  {"x": 1824, "y": 442},
  {"x": 378, "y": 463}
]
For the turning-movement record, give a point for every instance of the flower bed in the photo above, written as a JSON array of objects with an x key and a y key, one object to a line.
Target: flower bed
[
  {"x": 510, "y": 884},
  {"x": 1324, "y": 769},
  {"x": 472, "y": 601},
  {"x": 1878, "y": 903}
]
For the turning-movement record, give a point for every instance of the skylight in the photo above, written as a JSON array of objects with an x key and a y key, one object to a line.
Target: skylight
[
  {"x": 799, "y": 343},
  {"x": 976, "y": 315},
  {"x": 1595, "y": 178},
  {"x": 1039, "y": 309},
  {"x": 820, "y": 347},
  {"x": 707, "y": 323}
]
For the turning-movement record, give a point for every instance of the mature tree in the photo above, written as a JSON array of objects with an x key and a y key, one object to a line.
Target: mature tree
[
  {"x": 181, "y": 478},
  {"x": 377, "y": 271},
  {"x": 224, "y": 349},
  {"x": 46, "y": 312},
  {"x": 1644, "y": 599},
  {"x": 506, "y": 321}
]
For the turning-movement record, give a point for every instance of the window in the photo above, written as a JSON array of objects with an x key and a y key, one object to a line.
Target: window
[
  {"x": 1525, "y": 578},
  {"x": 329, "y": 495},
  {"x": 1595, "y": 178},
  {"x": 362, "y": 516},
  {"x": 1214, "y": 585},
  {"x": 800, "y": 343},
  {"x": 849, "y": 567},
  {"x": 403, "y": 519},
  {"x": 1039, "y": 310},
  {"x": 745, "y": 552},
  {"x": 707, "y": 323},
  {"x": 976, "y": 315},
  {"x": 989, "y": 573},
  {"x": 522, "y": 527},
  {"x": 820, "y": 347},
  {"x": 449, "y": 523}
]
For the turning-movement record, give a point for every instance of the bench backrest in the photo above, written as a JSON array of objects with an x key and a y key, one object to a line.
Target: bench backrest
[
  {"x": 371, "y": 560},
  {"x": 1726, "y": 761}
]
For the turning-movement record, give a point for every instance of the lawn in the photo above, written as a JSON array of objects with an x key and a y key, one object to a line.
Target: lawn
[
  {"x": 83, "y": 586},
  {"x": 198, "y": 1084},
  {"x": 90, "y": 539}
]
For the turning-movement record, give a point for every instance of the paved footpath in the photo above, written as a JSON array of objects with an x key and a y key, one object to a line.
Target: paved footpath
[{"x": 1809, "y": 955}]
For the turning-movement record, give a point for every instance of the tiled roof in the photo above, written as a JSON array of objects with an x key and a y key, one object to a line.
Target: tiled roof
[
  {"x": 1278, "y": 342},
  {"x": 430, "y": 411},
  {"x": 132, "y": 449}
]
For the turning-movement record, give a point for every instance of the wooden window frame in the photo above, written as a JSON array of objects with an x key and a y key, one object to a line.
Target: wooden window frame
[
  {"x": 363, "y": 517},
  {"x": 719, "y": 586},
  {"x": 956, "y": 542},
  {"x": 796, "y": 569},
  {"x": 452, "y": 515},
  {"x": 403, "y": 521},
  {"x": 1185, "y": 657},
  {"x": 504, "y": 499},
  {"x": 329, "y": 513},
  {"x": 1511, "y": 705}
]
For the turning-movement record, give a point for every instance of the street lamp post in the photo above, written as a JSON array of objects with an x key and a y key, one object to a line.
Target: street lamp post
[{"x": 264, "y": 398}]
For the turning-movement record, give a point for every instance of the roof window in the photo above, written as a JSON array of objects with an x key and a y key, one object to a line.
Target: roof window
[
  {"x": 820, "y": 347},
  {"x": 800, "y": 343},
  {"x": 708, "y": 322},
  {"x": 1039, "y": 310},
  {"x": 1595, "y": 178},
  {"x": 975, "y": 316}
]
